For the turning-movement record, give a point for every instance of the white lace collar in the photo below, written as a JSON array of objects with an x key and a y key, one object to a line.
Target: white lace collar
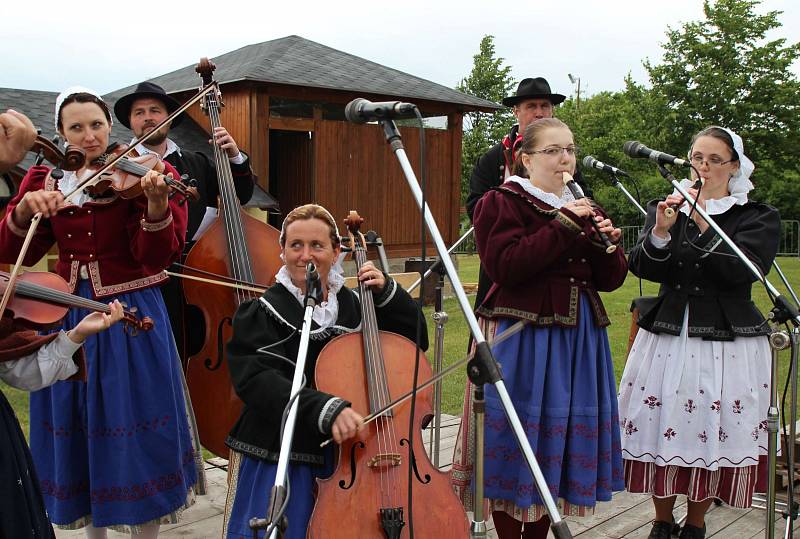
[
  {"x": 548, "y": 198},
  {"x": 68, "y": 183},
  {"x": 715, "y": 206},
  {"x": 326, "y": 313}
]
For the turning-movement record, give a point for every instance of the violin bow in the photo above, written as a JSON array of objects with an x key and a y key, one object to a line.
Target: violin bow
[
  {"x": 12, "y": 279},
  {"x": 509, "y": 332}
]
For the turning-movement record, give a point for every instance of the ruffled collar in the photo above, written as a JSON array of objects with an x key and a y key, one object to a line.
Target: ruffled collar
[
  {"x": 716, "y": 206},
  {"x": 326, "y": 313},
  {"x": 548, "y": 198}
]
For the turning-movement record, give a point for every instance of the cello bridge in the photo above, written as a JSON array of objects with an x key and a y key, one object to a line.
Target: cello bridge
[{"x": 385, "y": 459}]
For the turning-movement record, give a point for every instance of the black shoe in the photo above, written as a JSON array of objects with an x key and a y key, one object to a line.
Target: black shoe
[
  {"x": 661, "y": 530},
  {"x": 693, "y": 532}
]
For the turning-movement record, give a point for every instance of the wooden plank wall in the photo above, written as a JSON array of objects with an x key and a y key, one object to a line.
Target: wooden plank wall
[{"x": 355, "y": 169}]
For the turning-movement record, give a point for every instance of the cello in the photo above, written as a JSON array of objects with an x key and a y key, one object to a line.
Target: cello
[
  {"x": 367, "y": 495},
  {"x": 238, "y": 246}
]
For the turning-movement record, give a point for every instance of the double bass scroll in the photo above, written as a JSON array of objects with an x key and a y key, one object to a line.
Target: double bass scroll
[{"x": 244, "y": 249}]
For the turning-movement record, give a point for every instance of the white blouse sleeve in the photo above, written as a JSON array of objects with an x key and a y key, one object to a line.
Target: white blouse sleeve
[{"x": 51, "y": 363}]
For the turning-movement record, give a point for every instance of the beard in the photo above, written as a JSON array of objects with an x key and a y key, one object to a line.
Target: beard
[{"x": 157, "y": 138}]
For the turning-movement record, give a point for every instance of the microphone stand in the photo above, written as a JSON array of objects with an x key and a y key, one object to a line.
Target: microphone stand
[
  {"x": 276, "y": 520},
  {"x": 482, "y": 368},
  {"x": 618, "y": 184},
  {"x": 436, "y": 265},
  {"x": 782, "y": 312}
]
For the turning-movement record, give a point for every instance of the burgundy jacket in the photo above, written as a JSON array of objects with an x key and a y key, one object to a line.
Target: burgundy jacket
[
  {"x": 540, "y": 259},
  {"x": 121, "y": 249}
]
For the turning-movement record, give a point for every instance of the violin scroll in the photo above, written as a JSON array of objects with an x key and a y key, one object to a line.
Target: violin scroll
[{"x": 73, "y": 158}]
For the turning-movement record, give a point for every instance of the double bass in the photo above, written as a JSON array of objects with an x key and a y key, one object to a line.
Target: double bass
[
  {"x": 236, "y": 246},
  {"x": 367, "y": 496}
]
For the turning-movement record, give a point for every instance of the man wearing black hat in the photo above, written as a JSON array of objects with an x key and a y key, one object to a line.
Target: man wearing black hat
[
  {"x": 142, "y": 110},
  {"x": 533, "y": 101}
]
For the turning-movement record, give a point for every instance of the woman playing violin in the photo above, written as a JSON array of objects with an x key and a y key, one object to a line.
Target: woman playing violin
[
  {"x": 266, "y": 337},
  {"x": 114, "y": 450}
]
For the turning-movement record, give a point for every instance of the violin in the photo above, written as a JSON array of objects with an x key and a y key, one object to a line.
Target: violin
[
  {"x": 367, "y": 496},
  {"x": 41, "y": 300},
  {"x": 125, "y": 176},
  {"x": 72, "y": 158}
]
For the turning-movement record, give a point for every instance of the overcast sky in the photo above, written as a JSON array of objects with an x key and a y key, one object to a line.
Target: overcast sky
[{"x": 107, "y": 45}]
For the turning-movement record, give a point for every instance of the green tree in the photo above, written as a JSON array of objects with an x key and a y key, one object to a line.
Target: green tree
[
  {"x": 490, "y": 80},
  {"x": 724, "y": 70}
]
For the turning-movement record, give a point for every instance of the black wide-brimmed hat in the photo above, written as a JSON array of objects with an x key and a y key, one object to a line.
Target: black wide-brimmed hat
[
  {"x": 122, "y": 108},
  {"x": 537, "y": 88}
]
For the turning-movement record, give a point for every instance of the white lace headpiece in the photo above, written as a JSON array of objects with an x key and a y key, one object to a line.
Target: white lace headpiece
[{"x": 72, "y": 90}]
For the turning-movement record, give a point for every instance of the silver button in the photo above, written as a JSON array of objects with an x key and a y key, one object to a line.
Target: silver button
[
  {"x": 583, "y": 260},
  {"x": 69, "y": 235},
  {"x": 89, "y": 233},
  {"x": 71, "y": 256},
  {"x": 569, "y": 260},
  {"x": 91, "y": 255},
  {"x": 572, "y": 279}
]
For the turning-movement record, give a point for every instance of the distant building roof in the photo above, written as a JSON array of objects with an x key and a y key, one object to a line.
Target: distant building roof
[{"x": 294, "y": 60}]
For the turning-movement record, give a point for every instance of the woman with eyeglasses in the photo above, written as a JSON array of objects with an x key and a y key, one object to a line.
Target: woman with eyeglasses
[
  {"x": 547, "y": 264},
  {"x": 694, "y": 395}
]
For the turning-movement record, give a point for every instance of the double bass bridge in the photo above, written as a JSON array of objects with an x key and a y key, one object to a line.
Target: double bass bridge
[{"x": 385, "y": 460}]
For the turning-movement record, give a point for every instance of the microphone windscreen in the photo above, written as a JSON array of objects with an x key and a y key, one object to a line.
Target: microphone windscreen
[
  {"x": 631, "y": 148},
  {"x": 351, "y": 111},
  {"x": 589, "y": 161}
]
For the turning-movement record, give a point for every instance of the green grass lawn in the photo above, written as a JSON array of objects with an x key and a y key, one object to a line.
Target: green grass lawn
[{"x": 456, "y": 333}]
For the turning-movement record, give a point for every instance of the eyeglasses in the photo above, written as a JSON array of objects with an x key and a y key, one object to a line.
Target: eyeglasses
[
  {"x": 698, "y": 160},
  {"x": 552, "y": 151}
]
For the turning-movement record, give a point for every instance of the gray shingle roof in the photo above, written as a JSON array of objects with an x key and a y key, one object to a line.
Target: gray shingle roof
[{"x": 297, "y": 61}]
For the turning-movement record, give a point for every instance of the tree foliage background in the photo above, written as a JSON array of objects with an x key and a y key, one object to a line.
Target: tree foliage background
[{"x": 721, "y": 70}]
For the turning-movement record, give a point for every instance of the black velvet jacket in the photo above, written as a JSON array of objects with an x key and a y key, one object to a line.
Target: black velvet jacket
[
  {"x": 716, "y": 287},
  {"x": 264, "y": 382}
]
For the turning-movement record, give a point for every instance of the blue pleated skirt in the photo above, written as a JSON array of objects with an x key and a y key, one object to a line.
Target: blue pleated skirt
[
  {"x": 116, "y": 449},
  {"x": 255, "y": 481},
  {"x": 561, "y": 382}
]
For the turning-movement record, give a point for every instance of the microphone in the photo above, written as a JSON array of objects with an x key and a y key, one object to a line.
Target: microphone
[
  {"x": 637, "y": 149},
  {"x": 312, "y": 275},
  {"x": 360, "y": 110},
  {"x": 591, "y": 162}
]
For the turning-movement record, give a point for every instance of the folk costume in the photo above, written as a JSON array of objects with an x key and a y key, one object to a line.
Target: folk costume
[
  {"x": 495, "y": 166},
  {"x": 27, "y": 361},
  {"x": 199, "y": 167},
  {"x": 694, "y": 395},
  {"x": 111, "y": 451},
  {"x": 547, "y": 266},
  {"x": 265, "y": 331}
]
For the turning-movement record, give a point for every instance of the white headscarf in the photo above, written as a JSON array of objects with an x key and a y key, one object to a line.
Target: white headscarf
[
  {"x": 738, "y": 185},
  {"x": 72, "y": 90}
]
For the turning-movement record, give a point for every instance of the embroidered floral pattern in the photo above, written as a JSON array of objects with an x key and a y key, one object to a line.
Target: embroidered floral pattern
[
  {"x": 703, "y": 437},
  {"x": 690, "y": 406},
  {"x": 722, "y": 435},
  {"x": 652, "y": 402},
  {"x": 716, "y": 406},
  {"x": 670, "y": 433},
  {"x": 630, "y": 428},
  {"x": 737, "y": 407}
]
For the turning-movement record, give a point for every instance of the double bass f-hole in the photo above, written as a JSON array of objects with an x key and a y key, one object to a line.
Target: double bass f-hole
[{"x": 209, "y": 363}]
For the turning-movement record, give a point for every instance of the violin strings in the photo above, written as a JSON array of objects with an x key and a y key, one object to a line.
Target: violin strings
[
  {"x": 239, "y": 256},
  {"x": 387, "y": 440},
  {"x": 56, "y": 296}
]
